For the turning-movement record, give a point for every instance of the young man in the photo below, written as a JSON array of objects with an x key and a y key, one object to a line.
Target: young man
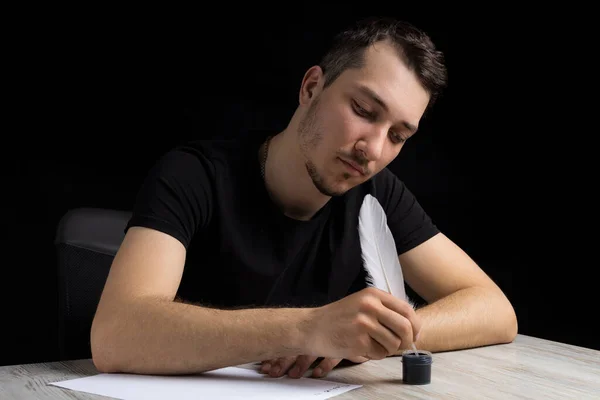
[{"x": 243, "y": 251}]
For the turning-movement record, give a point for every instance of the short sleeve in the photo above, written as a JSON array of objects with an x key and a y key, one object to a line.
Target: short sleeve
[
  {"x": 175, "y": 196},
  {"x": 409, "y": 223}
]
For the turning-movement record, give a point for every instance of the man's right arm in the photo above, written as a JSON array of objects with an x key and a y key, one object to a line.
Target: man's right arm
[{"x": 140, "y": 328}]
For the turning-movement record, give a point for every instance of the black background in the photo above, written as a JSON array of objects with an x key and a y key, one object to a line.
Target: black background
[{"x": 499, "y": 165}]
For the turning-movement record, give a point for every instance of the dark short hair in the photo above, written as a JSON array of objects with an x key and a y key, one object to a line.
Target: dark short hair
[{"x": 415, "y": 48}]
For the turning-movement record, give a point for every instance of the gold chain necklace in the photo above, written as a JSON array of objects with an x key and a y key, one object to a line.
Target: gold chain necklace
[{"x": 264, "y": 159}]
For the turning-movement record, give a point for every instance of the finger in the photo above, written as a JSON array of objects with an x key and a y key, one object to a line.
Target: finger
[
  {"x": 381, "y": 340},
  {"x": 325, "y": 367},
  {"x": 394, "y": 327},
  {"x": 406, "y": 310},
  {"x": 357, "y": 359},
  {"x": 281, "y": 366},
  {"x": 302, "y": 365},
  {"x": 377, "y": 350},
  {"x": 266, "y": 365}
]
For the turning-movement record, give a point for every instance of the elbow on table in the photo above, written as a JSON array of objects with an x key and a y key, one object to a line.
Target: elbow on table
[
  {"x": 511, "y": 331},
  {"x": 102, "y": 344},
  {"x": 511, "y": 325}
]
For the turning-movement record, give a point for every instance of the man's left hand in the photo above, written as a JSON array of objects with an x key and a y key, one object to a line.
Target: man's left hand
[{"x": 295, "y": 367}]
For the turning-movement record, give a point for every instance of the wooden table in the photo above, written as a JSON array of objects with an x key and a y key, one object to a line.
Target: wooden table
[{"x": 528, "y": 368}]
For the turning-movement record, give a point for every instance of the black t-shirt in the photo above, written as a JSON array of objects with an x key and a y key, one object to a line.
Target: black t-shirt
[{"x": 241, "y": 250}]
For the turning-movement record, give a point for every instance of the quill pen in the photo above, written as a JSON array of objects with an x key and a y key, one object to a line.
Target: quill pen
[{"x": 378, "y": 248}]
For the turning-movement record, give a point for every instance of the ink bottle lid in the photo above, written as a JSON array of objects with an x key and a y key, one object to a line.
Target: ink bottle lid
[{"x": 416, "y": 368}]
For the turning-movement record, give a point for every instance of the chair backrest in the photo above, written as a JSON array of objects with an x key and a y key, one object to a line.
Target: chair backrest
[{"x": 87, "y": 240}]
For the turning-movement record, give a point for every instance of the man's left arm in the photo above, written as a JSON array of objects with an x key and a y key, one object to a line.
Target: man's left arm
[{"x": 465, "y": 307}]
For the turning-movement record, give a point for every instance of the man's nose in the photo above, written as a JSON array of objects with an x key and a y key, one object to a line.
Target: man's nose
[{"x": 371, "y": 145}]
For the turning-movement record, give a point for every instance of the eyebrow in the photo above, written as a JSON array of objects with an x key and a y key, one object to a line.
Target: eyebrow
[{"x": 375, "y": 97}]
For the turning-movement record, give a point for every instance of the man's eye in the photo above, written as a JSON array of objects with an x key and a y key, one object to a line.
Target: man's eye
[
  {"x": 361, "y": 111},
  {"x": 396, "y": 138}
]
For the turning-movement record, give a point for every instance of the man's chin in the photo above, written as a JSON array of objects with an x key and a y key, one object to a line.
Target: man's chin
[{"x": 337, "y": 190}]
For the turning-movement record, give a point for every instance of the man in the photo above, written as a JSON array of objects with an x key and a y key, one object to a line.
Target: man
[{"x": 246, "y": 251}]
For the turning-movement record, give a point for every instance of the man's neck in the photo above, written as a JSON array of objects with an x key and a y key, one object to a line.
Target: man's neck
[{"x": 287, "y": 179}]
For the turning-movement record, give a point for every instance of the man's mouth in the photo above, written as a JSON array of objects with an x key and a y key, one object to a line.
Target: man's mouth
[{"x": 354, "y": 167}]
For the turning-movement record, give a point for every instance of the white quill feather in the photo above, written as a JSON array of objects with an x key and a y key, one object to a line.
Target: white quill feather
[{"x": 380, "y": 258}]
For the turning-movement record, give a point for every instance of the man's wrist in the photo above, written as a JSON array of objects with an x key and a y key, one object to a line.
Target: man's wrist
[{"x": 302, "y": 331}]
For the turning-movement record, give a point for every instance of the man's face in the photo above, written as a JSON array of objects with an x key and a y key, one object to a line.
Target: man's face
[{"x": 357, "y": 126}]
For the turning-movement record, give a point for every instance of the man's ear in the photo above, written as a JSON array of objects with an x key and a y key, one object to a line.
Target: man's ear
[{"x": 312, "y": 83}]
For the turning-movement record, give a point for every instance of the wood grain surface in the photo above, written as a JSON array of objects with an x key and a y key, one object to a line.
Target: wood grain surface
[{"x": 528, "y": 368}]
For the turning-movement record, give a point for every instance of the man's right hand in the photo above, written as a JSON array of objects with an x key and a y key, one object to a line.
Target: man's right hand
[{"x": 370, "y": 323}]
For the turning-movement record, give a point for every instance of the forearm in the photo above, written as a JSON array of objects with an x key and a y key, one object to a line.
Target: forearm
[
  {"x": 468, "y": 318},
  {"x": 164, "y": 337}
]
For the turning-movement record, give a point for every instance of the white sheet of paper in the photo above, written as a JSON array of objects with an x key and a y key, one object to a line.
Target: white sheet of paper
[{"x": 225, "y": 383}]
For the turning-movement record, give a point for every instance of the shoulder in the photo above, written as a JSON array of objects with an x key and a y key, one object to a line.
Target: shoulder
[
  {"x": 408, "y": 221},
  {"x": 209, "y": 154},
  {"x": 178, "y": 193},
  {"x": 199, "y": 162},
  {"x": 218, "y": 155}
]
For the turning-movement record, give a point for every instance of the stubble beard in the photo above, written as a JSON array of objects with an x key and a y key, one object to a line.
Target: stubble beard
[{"x": 311, "y": 135}]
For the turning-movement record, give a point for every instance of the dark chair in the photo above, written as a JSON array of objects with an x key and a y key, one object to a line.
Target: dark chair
[{"x": 87, "y": 240}]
